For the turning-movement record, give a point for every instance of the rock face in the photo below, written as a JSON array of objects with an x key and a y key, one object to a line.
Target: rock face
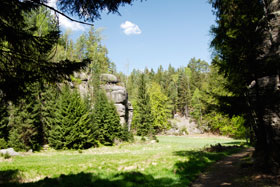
[
  {"x": 9, "y": 151},
  {"x": 271, "y": 45},
  {"x": 82, "y": 82},
  {"x": 183, "y": 126},
  {"x": 114, "y": 91},
  {"x": 264, "y": 92},
  {"x": 265, "y": 103},
  {"x": 118, "y": 95}
]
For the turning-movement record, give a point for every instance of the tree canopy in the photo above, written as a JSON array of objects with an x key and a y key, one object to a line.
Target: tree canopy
[{"x": 25, "y": 54}]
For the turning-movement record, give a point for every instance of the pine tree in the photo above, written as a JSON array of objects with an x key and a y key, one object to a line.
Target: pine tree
[
  {"x": 106, "y": 121},
  {"x": 143, "y": 119}
]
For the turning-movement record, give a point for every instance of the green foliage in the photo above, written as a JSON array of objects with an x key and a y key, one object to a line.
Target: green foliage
[
  {"x": 48, "y": 98},
  {"x": 160, "y": 107},
  {"x": 238, "y": 35},
  {"x": 28, "y": 35},
  {"x": 197, "y": 106},
  {"x": 183, "y": 98},
  {"x": 4, "y": 129},
  {"x": 6, "y": 155},
  {"x": 223, "y": 124},
  {"x": 25, "y": 123},
  {"x": 143, "y": 119},
  {"x": 105, "y": 121},
  {"x": 3, "y": 143},
  {"x": 72, "y": 121}
]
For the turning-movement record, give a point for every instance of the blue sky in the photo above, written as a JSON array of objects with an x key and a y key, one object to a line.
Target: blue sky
[{"x": 158, "y": 32}]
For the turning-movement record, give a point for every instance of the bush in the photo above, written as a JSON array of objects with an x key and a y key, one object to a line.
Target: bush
[
  {"x": 3, "y": 144},
  {"x": 223, "y": 124},
  {"x": 6, "y": 156}
]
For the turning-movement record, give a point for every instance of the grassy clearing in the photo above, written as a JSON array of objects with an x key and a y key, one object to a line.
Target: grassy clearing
[{"x": 174, "y": 161}]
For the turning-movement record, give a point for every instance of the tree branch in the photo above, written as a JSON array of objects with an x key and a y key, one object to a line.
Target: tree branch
[{"x": 61, "y": 13}]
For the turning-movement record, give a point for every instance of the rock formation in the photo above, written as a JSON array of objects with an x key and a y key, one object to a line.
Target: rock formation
[
  {"x": 265, "y": 105},
  {"x": 264, "y": 92},
  {"x": 118, "y": 94},
  {"x": 182, "y": 125},
  {"x": 114, "y": 90}
]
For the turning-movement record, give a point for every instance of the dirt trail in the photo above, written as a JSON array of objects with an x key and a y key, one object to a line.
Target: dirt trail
[{"x": 224, "y": 172}]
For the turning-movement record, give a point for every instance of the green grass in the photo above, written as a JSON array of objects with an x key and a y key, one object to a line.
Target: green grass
[{"x": 174, "y": 161}]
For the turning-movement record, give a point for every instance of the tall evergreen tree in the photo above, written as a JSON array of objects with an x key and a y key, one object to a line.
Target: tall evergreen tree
[
  {"x": 106, "y": 121},
  {"x": 25, "y": 122},
  {"x": 4, "y": 129},
  {"x": 160, "y": 107},
  {"x": 71, "y": 121},
  {"x": 48, "y": 98},
  {"x": 182, "y": 88},
  {"x": 197, "y": 106},
  {"x": 143, "y": 118}
]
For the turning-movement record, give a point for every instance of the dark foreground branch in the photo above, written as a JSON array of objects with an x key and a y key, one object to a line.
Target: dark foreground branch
[{"x": 61, "y": 13}]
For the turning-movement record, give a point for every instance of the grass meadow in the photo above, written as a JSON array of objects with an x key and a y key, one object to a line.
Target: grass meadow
[{"x": 174, "y": 161}]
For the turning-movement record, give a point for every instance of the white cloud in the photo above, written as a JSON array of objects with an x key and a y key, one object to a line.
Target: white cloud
[
  {"x": 130, "y": 28},
  {"x": 65, "y": 22}
]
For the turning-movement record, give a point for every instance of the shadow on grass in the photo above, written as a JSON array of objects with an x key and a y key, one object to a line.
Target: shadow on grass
[
  {"x": 235, "y": 143},
  {"x": 198, "y": 161},
  {"x": 185, "y": 172},
  {"x": 88, "y": 179},
  {"x": 9, "y": 176}
]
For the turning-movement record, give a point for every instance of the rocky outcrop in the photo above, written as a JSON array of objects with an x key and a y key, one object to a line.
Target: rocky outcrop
[
  {"x": 114, "y": 91},
  {"x": 265, "y": 106},
  {"x": 264, "y": 92},
  {"x": 271, "y": 45},
  {"x": 183, "y": 126},
  {"x": 81, "y": 82},
  {"x": 9, "y": 151},
  {"x": 119, "y": 96}
]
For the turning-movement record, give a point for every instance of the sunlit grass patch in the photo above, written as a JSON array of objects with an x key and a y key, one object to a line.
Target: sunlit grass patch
[{"x": 172, "y": 161}]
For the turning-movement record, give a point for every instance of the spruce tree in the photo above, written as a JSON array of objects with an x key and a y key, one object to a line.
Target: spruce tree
[
  {"x": 160, "y": 107},
  {"x": 25, "y": 122},
  {"x": 143, "y": 119},
  {"x": 197, "y": 106},
  {"x": 4, "y": 129},
  {"x": 106, "y": 121},
  {"x": 182, "y": 99},
  {"x": 71, "y": 121}
]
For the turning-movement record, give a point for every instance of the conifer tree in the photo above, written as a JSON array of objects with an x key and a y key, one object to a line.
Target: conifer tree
[
  {"x": 182, "y": 99},
  {"x": 160, "y": 107},
  {"x": 143, "y": 119},
  {"x": 197, "y": 106},
  {"x": 4, "y": 129},
  {"x": 71, "y": 121},
  {"x": 48, "y": 99},
  {"x": 106, "y": 121},
  {"x": 25, "y": 122}
]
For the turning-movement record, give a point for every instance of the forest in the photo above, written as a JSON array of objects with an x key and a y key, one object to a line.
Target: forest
[{"x": 235, "y": 95}]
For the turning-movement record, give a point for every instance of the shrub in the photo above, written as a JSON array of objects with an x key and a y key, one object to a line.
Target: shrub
[{"x": 3, "y": 143}]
